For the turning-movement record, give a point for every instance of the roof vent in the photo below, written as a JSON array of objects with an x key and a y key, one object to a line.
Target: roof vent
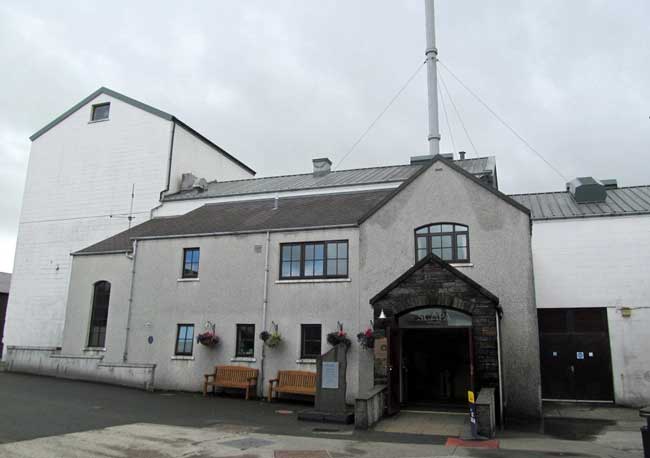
[
  {"x": 189, "y": 181},
  {"x": 461, "y": 154},
  {"x": 586, "y": 190},
  {"x": 449, "y": 156},
  {"x": 610, "y": 183},
  {"x": 322, "y": 166},
  {"x": 421, "y": 160},
  {"x": 200, "y": 185}
]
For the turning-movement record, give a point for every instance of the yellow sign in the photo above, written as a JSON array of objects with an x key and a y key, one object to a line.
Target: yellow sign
[{"x": 470, "y": 397}]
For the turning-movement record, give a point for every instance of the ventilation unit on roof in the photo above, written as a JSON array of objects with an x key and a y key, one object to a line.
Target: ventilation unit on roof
[
  {"x": 586, "y": 190},
  {"x": 610, "y": 183},
  {"x": 322, "y": 166}
]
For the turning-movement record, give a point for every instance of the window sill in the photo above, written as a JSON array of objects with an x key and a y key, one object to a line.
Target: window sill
[
  {"x": 315, "y": 280},
  {"x": 98, "y": 120},
  {"x": 306, "y": 361},
  {"x": 461, "y": 264},
  {"x": 182, "y": 358},
  {"x": 183, "y": 280},
  {"x": 89, "y": 349},
  {"x": 243, "y": 359}
]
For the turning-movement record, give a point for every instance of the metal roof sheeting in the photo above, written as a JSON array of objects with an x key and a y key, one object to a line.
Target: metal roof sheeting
[
  {"x": 634, "y": 200},
  {"x": 366, "y": 176}
]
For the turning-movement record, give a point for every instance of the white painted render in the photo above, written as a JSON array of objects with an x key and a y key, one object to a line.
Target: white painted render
[
  {"x": 78, "y": 192},
  {"x": 180, "y": 207},
  {"x": 602, "y": 262},
  {"x": 192, "y": 154}
]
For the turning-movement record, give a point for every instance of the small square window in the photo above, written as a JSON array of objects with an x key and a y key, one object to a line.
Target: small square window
[
  {"x": 191, "y": 262},
  {"x": 100, "y": 112},
  {"x": 245, "y": 341},
  {"x": 184, "y": 340}
]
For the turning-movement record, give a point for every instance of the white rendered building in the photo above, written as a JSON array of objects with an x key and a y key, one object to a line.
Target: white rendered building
[{"x": 83, "y": 167}]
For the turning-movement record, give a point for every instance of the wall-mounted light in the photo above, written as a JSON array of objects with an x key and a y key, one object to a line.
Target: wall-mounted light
[
  {"x": 626, "y": 312},
  {"x": 382, "y": 315}
]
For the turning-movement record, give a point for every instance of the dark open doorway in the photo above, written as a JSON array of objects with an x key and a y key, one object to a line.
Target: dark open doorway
[{"x": 435, "y": 366}]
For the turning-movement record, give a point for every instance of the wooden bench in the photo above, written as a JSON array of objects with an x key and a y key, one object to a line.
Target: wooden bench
[
  {"x": 293, "y": 382},
  {"x": 244, "y": 378}
]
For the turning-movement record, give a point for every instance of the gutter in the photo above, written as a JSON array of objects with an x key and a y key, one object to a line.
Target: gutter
[{"x": 132, "y": 257}]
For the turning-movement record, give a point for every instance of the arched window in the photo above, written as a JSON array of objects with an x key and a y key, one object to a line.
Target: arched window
[
  {"x": 99, "y": 314},
  {"x": 448, "y": 241}
]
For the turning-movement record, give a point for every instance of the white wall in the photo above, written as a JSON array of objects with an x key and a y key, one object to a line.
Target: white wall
[
  {"x": 191, "y": 154},
  {"x": 78, "y": 173},
  {"x": 602, "y": 262}
]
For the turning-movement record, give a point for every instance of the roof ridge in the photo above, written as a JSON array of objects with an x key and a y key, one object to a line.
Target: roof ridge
[{"x": 310, "y": 173}]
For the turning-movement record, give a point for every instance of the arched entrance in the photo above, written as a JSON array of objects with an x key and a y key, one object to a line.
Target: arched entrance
[
  {"x": 435, "y": 362},
  {"x": 441, "y": 335}
]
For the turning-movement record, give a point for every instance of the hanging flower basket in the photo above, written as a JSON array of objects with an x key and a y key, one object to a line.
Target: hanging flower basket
[
  {"x": 366, "y": 339},
  {"x": 274, "y": 340},
  {"x": 271, "y": 339},
  {"x": 338, "y": 337},
  {"x": 208, "y": 338}
]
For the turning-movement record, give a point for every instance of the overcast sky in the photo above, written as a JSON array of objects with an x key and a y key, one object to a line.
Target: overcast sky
[{"x": 279, "y": 83}]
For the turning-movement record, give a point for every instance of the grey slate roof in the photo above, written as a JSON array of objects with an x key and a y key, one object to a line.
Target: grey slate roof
[
  {"x": 251, "y": 216},
  {"x": 143, "y": 106},
  {"x": 634, "y": 200},
  {"x": 366, "y": 176},
  {"x": 5, "y": 282}
]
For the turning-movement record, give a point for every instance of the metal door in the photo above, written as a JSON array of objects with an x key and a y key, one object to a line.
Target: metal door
[
  {"x": 575, "y": 354},
  {"x": 394, "y": 363}
]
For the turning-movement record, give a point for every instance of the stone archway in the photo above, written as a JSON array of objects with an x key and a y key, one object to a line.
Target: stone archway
[{"x": 432, "y": 282}]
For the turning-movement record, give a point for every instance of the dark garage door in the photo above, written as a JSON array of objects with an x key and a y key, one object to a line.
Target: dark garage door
[{"x": 575, "y": 354}]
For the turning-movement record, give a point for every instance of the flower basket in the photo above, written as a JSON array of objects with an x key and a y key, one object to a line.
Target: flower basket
[
  {"x": 338, "y": 337},
  {"x": 366, "y": 339},
  {"x": 208, "y": 338},
  {"x": 274, "y": 340}
]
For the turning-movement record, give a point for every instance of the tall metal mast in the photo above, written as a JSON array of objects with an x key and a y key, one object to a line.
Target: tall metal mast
[{"x": 432, "y": 78}]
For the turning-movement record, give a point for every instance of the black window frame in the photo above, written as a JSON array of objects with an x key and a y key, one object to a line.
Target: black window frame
[
  {"x": 303, "y": 261},
  {"x": 98, "y": 323},
  {"x": 93, "y": 111},
  {"x": 191, "y": 273},
  {"x": 454, "y": 240},
  {"x": 303, "y": 328},
  {"x": 238, "y": 352},
  {"x": 177, "y": 341}
]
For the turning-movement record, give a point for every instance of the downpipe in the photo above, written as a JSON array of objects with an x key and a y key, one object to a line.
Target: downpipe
[
  {"x": 265, "y": 303},
  {"x": 132, "y": 257},
  {"x": 498, "y": 318}
]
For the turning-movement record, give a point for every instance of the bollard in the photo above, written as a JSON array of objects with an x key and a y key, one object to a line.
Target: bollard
[{"x": 645, "y": 431}]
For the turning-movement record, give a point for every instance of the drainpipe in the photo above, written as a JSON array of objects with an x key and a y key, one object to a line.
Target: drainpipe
[
  {"x": 128, "y": 310},
  {"x": 169, "y": 170},
  {"x": 498, "y": 318},
  {"x": 265, "y": 303}
]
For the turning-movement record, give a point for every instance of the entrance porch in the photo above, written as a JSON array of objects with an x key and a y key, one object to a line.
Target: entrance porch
[{"x": 440, "y": 332}]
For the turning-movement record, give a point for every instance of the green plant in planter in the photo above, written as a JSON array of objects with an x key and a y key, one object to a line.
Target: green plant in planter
[{"x": 274, "y": 339}]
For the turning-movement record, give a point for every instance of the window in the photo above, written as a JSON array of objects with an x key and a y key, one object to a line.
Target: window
[
  {"x": 314, "y": 260},
  {"x": 245, "y": 341},
  {"x": 310, "y": 341},
  {"x": 191, "y": 262},
  {"x": 184, "y": 340},
  {"x": 100, "y": 112},
  {"x": 447, "y": 240},
  {"x": 99, "y": 314}
]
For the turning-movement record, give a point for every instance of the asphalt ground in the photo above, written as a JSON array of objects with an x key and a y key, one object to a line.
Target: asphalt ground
[{"x": 34, "y": 406}]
